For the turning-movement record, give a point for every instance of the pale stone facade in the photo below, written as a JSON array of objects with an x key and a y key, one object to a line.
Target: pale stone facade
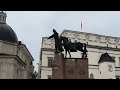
[
  {"x": 15, "y": 61},
  {"x": 96, "y": 46}
]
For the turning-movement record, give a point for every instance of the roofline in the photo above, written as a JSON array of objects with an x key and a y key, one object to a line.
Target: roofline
[
  {"x": 41, "y": 48},
  {"x": 44, "y": 37},
  {"x": 65, "y": 30},
  {"x": 28, "y": 51},
  {"x": 18, "y": 45}
]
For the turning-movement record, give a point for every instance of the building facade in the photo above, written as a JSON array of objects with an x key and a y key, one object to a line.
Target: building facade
[
  {"x": 16, "y": 62},
  {"x": 98, "y": 46}
]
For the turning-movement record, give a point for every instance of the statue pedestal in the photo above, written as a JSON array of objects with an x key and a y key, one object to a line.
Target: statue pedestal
[
  {"x": 58, "y": 65},
  {"x": 69, "y": 68}
]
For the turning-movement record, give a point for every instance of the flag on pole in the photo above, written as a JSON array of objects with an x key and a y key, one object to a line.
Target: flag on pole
[{"x": 81, "y": 25}]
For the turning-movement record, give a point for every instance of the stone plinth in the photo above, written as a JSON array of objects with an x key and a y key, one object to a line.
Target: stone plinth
[
  {"x": 58, "y": 65},
  {"x": 69, "y": 68},
  {"x": 76, "y": 68}
]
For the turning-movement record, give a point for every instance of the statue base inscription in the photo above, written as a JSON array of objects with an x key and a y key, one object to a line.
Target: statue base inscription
[{"x": 69, "y": 68}]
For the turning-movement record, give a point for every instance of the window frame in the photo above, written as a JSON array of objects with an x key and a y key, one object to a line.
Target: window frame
[{"x": 50, "y": 61}]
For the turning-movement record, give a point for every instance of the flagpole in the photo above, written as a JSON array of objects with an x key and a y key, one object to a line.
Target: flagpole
[{"x": 81, "y": 25}]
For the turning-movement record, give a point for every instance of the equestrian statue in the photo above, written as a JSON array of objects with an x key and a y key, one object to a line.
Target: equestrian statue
[{"x": 69, "y": 46}]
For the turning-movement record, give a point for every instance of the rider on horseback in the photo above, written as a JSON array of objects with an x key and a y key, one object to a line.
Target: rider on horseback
[{"x": 58, "y": 44}]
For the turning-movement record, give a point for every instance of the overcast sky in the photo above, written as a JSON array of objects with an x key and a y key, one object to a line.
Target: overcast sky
[{"x": 31, "y": 26}]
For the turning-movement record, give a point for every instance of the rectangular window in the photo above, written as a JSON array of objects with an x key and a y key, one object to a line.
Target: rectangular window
[
  {"x": 3, "y": 18},
  {"x": 119, "y": 61},
  {"x": 0, "y": 17},
  {"x": 50, "y": 60},
  {"x": 117, "y": 77},
  {"x": 49, "y": 76}
]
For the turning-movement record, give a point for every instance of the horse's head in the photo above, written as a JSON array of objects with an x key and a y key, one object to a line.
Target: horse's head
[{"x": 65, "y": 39}]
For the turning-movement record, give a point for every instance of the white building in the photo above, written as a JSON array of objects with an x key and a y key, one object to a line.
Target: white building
[
  {"x": 103, "y": 54},
  {"x": 16, "y": 62}
]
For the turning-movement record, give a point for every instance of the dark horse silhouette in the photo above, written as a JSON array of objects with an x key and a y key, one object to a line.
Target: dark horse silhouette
[{"x": 73, "y": 47}]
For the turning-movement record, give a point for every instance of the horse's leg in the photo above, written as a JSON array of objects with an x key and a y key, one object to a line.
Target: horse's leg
[
  {"x": 85, "y": 51},
  {"x": 82, "y": 55},
  {"x": 65, "y": 53},
  {"x": 81, "y": 50},
  {"x": 69, "y": 53}
]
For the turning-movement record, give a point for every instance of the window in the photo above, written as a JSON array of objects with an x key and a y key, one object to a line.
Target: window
[
  {"x": 50, "y": 60},
  {"x": 0, "y": 17},
  {"x": 3, "y": 18},
  {"x": 117, "y": 77},
  {"x": 49, "y": 76}
]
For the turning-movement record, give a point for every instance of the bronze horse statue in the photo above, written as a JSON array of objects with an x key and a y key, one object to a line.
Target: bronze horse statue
[{"x": 73, "y": 47}]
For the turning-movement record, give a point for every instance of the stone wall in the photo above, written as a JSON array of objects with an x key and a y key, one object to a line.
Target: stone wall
[{"x": 11, "y": 68}]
